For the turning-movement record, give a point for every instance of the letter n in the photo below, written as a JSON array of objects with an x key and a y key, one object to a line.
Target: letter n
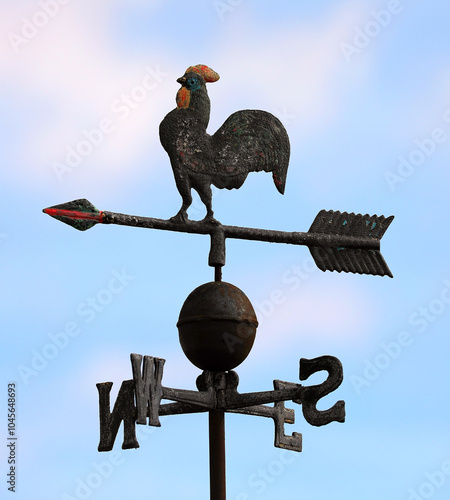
[
  {"x": 148, "y": 388},
  {"x": 124, "y": 409}
]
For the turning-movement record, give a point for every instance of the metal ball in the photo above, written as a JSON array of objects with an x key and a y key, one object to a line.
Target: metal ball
[{"x": 217, "y": 326}]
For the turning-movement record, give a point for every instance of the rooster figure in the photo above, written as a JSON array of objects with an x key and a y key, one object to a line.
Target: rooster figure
[{"x": 248, "y": 141}]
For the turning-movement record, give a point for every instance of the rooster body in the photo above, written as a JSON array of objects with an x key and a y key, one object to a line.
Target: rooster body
[{"x": 248, "y": 141}]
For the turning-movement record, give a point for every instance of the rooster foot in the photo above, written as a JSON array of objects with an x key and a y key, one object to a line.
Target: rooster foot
[
  {"x": 180, "y": 217},
  {"x": 209, "y": 219}
]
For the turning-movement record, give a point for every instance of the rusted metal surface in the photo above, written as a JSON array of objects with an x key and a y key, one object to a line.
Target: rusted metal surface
[
  {"x": 80, "y": 214},
  {"x": 148, "y": 390},
  {"x": 248, "y": 141},
  {"x": 217, "y": 323},
  {"x": 280, "y": 415},
  {"x": 312, "y": 394},
  {"x": 217, "y": 392},
  {"x": 325, "y": 239},
  {"x": 217, "y": 326},
  {"x": 344, "y": 257},
  {"x": 217, "y": 476},
  {"x": 124, "y": 410},
  {"x": 338, "y": 241}
]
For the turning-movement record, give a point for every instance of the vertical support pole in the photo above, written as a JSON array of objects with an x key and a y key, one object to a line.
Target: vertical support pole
[
  {"x": 217, "y": 455},
  {"x": 217, "y": 253}
]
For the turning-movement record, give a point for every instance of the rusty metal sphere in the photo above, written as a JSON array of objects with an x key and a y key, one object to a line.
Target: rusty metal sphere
[{"x": 217, "y": 326}]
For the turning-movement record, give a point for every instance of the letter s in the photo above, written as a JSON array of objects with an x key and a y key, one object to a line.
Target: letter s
[{"x": 311, "y": 395}]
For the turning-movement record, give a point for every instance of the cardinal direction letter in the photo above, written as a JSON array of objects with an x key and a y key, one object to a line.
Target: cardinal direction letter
[
  {"x": 148, "y": 388},
  {"x": 124, "y": 409},
  {"x": 281, "y": 416},
  {"x": 313, "y": 393}
]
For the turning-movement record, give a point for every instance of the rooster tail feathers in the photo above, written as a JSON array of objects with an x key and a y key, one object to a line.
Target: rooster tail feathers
[
  {"x": 281, "y": 160},
  {"x": 251, "y": 141},
  {"x": 279, "y": 181},
  {"x": 279, "y": 172}
]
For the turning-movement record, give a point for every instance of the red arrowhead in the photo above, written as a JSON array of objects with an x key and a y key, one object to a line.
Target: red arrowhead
[{"x": 80, "y": 214}]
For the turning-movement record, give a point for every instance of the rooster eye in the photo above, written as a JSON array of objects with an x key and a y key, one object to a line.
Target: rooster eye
[{"x": 193, "y": 83}]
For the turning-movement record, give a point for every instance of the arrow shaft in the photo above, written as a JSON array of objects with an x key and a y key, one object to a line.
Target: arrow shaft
[
  {"x": 243, "y": 233},
  {"x": 299, "y": 238}
]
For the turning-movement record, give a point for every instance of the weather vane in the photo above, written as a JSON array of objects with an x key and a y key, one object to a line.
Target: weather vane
[{"x": 217, "y": 323}]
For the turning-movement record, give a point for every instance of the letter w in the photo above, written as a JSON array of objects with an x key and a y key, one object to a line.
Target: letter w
[{"x": 148, "y": 388}]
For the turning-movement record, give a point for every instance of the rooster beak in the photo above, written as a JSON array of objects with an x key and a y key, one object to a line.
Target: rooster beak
[{"x": 181, "y": 80}]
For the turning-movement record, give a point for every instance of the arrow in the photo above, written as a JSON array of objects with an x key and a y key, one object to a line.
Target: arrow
[
  {"x": 80, "y": 214},
  {"x": 338, "y": 241}
]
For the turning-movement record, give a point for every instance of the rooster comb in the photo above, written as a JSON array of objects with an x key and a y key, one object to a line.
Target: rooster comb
[{"x": 208, "y": 74}]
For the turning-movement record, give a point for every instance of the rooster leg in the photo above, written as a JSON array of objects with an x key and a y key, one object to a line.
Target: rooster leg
[
  {"x": 205, "y": 194},
  {"x": 184, "y": 188}
]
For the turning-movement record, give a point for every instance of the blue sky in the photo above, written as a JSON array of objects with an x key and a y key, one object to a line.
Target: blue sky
[{"x": 362, "y": 89}]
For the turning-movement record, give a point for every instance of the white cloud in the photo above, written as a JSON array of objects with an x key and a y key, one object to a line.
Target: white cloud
[
  {"x": 70, "y": 73},
  {"x": 316, "y": 315},
  {"x": 70, "y": 68},
  {"x": 295, "y": 68}
]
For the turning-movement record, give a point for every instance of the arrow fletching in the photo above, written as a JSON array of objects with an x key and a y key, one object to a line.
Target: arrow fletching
[
  {"x": 80, "y": 214},
  {"x": 350, "y": 260}
]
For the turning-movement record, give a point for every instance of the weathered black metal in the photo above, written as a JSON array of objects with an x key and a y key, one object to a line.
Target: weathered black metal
[
  {"x": 313, "y": 393},
  {"x": 217, "y": 252},
  {"x": 217, "y": 476},
  {"x": 148, "y": 388},
  {"x": 248, "y": 141},
  {"x": 217, "y": 391},
  {"x": 209, "y": 325},
  {"x": 217, "y": 326},
  {"x": 220, "y": 232},
  {"x": 280, "y": 416},
  {"x": 345, "y": 257},
  {"x": 80, "y": 214},
  {"x": 124, "y": 410},
  {"x": 337, "y": 241}
]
